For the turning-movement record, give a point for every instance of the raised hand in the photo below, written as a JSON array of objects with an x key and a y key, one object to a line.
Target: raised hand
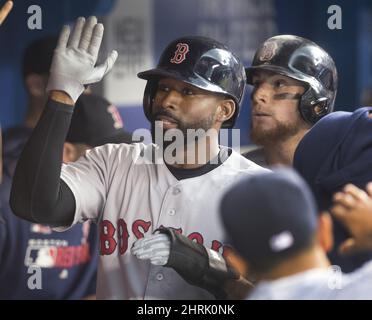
[
  {"x": 74, "y": 60},
  {"x": 353, "y": 207}
]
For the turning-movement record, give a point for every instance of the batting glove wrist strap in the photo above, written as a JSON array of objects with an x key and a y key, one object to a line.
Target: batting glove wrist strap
[{"x": 197, "y": 265}]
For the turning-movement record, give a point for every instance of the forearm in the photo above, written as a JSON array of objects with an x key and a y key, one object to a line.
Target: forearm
[{"x": 37, "y": 192}]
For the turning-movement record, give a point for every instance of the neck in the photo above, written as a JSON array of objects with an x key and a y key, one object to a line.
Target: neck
[
  {"x": 34, "y": 111},
  {"x": 282, "y": 152},
  {"x": 197, "y": 154},
  {"x": 313, "y": 258}
]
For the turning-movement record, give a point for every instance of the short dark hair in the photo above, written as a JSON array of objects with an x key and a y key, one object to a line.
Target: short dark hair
[{"x": 37, "y": 56}]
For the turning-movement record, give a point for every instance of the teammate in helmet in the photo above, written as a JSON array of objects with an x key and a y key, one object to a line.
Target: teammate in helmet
[
  {"x": 199, "y": 83},
  {"x": 294, "y": 85}
]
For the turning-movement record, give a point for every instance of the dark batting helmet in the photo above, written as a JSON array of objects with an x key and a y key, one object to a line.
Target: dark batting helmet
[
  {"x": 203, "y": 63},
  {"x": 303, "y": 60}
]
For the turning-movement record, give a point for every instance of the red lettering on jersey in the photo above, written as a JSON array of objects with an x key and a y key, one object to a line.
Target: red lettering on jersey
[
  {"x": 138, "y": 225},
  {"x": 106, "y": 237},
  {"x": 118, "y": 121},
  {"x": 216, "y": 245},
  {"x": 123, "y": 236},
  {"x": 196, "y": 236},
  {"x": 180, "y": 54}
]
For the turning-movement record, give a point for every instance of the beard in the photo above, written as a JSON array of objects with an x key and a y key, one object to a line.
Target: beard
[
  {"x": 200, "y": 125},
  {"x": 278, "y": 132}
]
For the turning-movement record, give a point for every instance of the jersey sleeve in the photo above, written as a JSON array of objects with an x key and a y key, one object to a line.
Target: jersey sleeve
[{"x": 90, "y": 179}]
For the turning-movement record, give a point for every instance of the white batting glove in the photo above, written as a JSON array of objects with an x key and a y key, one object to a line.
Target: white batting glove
[
  {"x": 73, "y": 64},
  {"x": 155, "y": 248}
]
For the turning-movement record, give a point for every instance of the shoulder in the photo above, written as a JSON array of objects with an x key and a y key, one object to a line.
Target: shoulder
[
  {"x": 257, "y": 156},
  {"x": 239, "y": 163},
  {"x": 123, "y": 150}
]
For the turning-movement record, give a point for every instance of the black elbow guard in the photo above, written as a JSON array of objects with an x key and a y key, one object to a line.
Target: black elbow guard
[{"x": 198, "y": 265}]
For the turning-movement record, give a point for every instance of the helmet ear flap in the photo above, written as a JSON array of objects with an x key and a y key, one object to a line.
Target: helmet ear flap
[
  {"x": 148, "y": 98},
  {"x": 313, "y": 110}
]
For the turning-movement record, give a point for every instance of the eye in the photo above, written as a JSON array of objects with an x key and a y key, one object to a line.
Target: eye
[
  {"x": 187, "y": 92},
  {"x": 279, "y": 83},
  {"x": 163, "y": 87}
]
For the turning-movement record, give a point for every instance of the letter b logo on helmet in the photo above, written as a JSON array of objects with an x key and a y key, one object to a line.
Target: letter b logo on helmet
[
  {"x": 202, "y": 62},
  {"x": 180, "y": 54},
  {"x": 305, "y": 61}
]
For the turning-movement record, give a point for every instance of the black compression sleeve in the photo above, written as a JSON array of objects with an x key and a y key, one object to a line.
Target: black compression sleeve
[{"x": 37, "y": 193}]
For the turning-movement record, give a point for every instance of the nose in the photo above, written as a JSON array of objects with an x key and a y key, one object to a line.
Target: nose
[
  {"x": 170, "y": 99},
  {"x": 261, "y": 93}
]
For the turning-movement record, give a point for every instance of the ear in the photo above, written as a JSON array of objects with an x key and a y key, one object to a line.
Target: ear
[
  {"x": 225, "y": 110},
  {"x": 36, "y": 84},
  {"x": 325, "y": 231},
  {"x": 69, "y": 152}
]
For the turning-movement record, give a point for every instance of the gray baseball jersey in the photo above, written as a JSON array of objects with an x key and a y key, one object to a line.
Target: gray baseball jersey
[
  {"x": 319, "y": 284},
  {"x": 129, "y": 197}
]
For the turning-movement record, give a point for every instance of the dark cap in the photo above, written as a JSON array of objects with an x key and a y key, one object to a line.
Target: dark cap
[
  {"x": 37, "y": 57},
  {"x": 269, "y": 216},
  {"x": 96, "y": 122},
  {"x": 336, "y": 151}
]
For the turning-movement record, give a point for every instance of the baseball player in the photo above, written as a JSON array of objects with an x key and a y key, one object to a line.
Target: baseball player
[
  {"x": 294, "y": 85},
  {"x": 288, "y": 254},
  {"x": 198, "y": 84},
  {"x": 68, "y": 261},
  {"x": 335, "y": 152}
]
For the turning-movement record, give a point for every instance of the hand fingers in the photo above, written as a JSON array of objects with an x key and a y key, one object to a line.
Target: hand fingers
[
  {"x": 76, "y": 33},
  {"x": 96, "y": 40},
  {"x": 344, "y": 199},
  {"x": 358, "y": 194},
  {"x": 153, "y": 248},
  {"x": 160, "y": 261},
  {"x": 153, "y": 242},
  {"x": 63, "y": 37},
  {"x": 110, "y": 61},
  {"x": 339, "y": 212},
  {"x": 86, "y": 35},
  {"x": 369, "y": 189},
  {"x": 103, "y": 69},
  {"x": 151, "y": 254},
  {"x": 4, "y": 11}
]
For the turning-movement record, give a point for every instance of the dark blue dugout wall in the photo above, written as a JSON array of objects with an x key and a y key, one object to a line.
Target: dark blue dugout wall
[
  {"x": 15, "y": 36},
  {"x": 351, "y": 47},
  {"x": 242, "y": 24}
]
